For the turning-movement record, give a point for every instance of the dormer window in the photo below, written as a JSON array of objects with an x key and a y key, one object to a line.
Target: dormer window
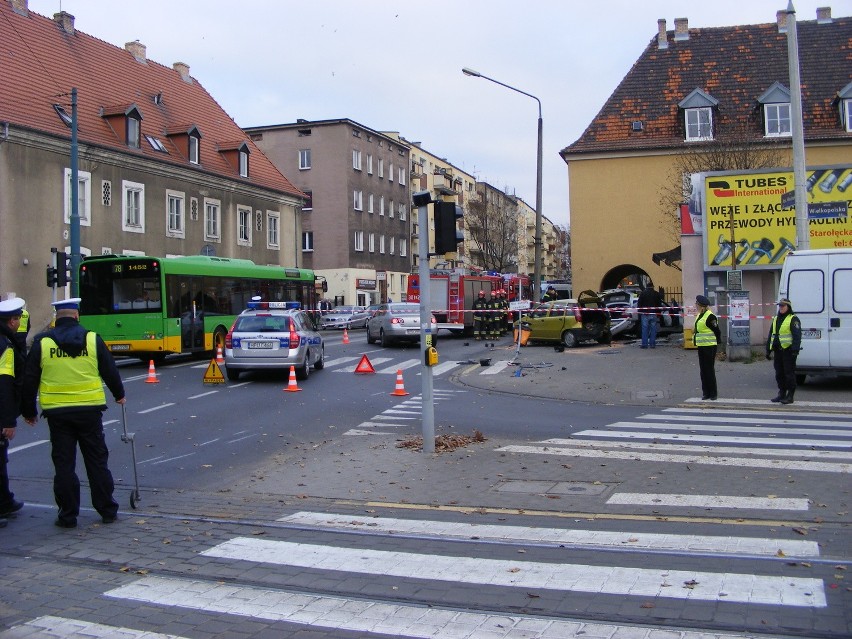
[
  {"x": 698, "y": 115},
  {"x": 194, "y": 149},
  {"x": 187, "y": 140},
  {"x": 776, "y": 111},
  {"x": 244, "y": 163},
  {"x": 237, "y": 155},
  {"x": 126, "y": 120},
  {"x": 845, "y": 103},
  {"x": 134, "y": 126}
]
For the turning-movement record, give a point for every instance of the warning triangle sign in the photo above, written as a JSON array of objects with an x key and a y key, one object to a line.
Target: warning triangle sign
[
  {"x": 213, "y": 374},
  {"x": 364, "y": 366}
]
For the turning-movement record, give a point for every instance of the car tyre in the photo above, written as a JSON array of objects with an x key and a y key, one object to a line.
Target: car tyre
[
  {"x": 304, "y": 371},
  {"x": 320, "y": 363},
  {"x": 605, "y": 338},
  {"x": 569, "y": 339},
  {"x": 370, "y": 338},
  {"x": 232, "y": 374},
  {"x": 383, "y": 339},
  {"x": 800, "y": 379}
]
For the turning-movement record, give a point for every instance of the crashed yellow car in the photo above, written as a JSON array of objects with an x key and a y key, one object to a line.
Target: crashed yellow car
[{"x": 570, "y": 321}]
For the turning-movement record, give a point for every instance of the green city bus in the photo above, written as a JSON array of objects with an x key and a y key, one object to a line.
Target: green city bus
[{"x": 150, "y": 307}]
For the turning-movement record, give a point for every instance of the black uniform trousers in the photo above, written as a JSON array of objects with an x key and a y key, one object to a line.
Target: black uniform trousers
[
  {"x": 7, "y": 498},
  {"x": 68, "y": 429},
  {"x": 784, "y": 360},
  {"x": 707, "y": 368}
]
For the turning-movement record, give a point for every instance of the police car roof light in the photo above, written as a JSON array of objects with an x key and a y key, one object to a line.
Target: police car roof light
[{"x": 258, "y": 305}]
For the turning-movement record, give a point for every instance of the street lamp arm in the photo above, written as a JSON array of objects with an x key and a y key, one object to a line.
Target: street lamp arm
[{"x": 477, "y": 74}]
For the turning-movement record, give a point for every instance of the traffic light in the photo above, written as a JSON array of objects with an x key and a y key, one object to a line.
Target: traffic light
[
  {"x": 447, "y": 236},
  {"x": 62, "y": 275}
]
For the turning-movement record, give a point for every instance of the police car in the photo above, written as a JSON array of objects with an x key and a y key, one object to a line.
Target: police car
[{"x": 273, "y": 335}]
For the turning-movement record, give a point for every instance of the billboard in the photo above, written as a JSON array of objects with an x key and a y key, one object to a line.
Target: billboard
[{"x": 749, "y": 217}]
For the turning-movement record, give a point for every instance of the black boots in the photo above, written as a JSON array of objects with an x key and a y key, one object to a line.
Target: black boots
[
  {"x": 779, "y": 397},
  {"x": 788, "y": 397}
]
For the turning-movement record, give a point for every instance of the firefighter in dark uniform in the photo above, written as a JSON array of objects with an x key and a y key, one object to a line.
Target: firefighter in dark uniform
[
  {"x": 480, "y": 317},
  {"x": 785, "y": 340},
  {"x": 494, "y": 315},
  {"x": 706, "y": 339},
  {"x": 65, "y": 367},
  {"x": 11, "y": 370},
  {"x": 504, "y": 317}
]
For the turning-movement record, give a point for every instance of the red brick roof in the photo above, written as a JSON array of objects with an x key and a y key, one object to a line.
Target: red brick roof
[
  {"x": 41, "y": 63},
  {"x": 734, "y": 65}
]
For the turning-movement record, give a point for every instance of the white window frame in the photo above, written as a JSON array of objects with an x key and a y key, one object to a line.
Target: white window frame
[
  {"x": 245, "y": 225},
  {"x": 194, "y": 149},
  {"x": 175, "y": 214},
  {"x": 358, "y": 200},
  {"x": 382, "y": 244},
  {"x": 771, "y": 113},
  {"x": 403, "y": 212},
  {"x": 307, "y": 241},
  {"x": 132, "y": 226},
  {"x": 212, "y": 220},
  {"x": 847, "y": 114},
  {"x": 244, "y": 164},
  {"x": 370, "y": 208},
  {"x": 356, "y": 159},
  {"x": 371, "y": 242},
  {"x": 390, "y": 209},
  {"x": 696, "y": 128},
  {"x": 134, "y": 132},
  {"x": 391, "y": 243},
  {"x": 381, "y": 168},
  {"x": 310, "y": 206},
  {"x": 390, "y": 172},
  {"x": 359, "y": 241},
  {"x": 403, "y": 247},
  {"x": 84, "y": 197},
  {"x": 273, "y": 230},
  {"x": 381, "y": 205},
  {"x": 369, "y": 163},
  {"x": 304, "y": 159},
  {"x": 402, "y": 175}
]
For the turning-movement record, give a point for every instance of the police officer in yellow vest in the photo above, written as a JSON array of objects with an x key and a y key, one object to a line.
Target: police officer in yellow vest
[
  {"x": 706, "y": 339},
  {"x": 65, "y": 367},
  {"x": 785, "y": 340},
  {"x": 11, "y": 371}
]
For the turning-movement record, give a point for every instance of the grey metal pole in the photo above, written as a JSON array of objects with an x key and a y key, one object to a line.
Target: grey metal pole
[
  {"x": 75, "y": 204},
  {"x": 428, "y": 406},
  {"x": 803, "y": 236}
]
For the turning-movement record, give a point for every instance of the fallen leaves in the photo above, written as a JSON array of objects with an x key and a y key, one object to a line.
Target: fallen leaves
[{"x": 444, "y": 443}]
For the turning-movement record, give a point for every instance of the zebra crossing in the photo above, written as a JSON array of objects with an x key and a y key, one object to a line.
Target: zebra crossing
[
  {"x": 388, "y": 550},
  {"x": 390, "y": 365},
  {"x": 400, "y": 416},
  {"x": 815, "y": 442}
]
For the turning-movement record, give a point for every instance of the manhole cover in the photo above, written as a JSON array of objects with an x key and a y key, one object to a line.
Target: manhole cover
[
  {"x": 649, "y": 394},
  {"x": 545, "y": 487}
]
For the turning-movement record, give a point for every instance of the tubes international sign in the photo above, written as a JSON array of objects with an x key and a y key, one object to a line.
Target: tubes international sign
[{"x": 750, "y": 217}]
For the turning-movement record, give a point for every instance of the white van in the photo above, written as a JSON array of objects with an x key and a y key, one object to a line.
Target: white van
[{"x": 818, "y": 284}]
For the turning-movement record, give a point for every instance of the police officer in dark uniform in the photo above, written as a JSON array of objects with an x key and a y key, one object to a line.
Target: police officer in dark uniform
[
  {"x": 706, "y": 339},
  {"x": 11, "y": 370},
  {"x": 65, "y": 367},
  {"x": 785, "y": 341}
]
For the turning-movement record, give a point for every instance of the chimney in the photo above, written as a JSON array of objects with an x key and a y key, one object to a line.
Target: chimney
[
  {"x": 824, "y": 15},
  {"x": 681, "y": 29},
  {"x": 183, "y": 69},
  {"x": 781, "y": 18},
  {"x": 65, "y": 20},
  {"x": 20, "y": 7},
  {"x": 662, "y": 41},
  {"x": 136, "y": 49}
]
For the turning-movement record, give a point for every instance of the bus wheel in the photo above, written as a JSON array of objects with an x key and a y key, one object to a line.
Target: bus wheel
[{"x": 219, "y": 339}]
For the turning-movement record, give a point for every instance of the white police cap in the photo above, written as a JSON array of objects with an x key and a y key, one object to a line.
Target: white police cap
[
  {"x": 71, "y": 304},
  {"x": 12, "y": 307}
]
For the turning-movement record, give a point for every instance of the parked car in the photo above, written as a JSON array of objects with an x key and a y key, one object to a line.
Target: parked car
[
  {"x": 570, "y": 321},
  {"x": 397, "y": 322},
  {"x": 341, "y": 317},
  {"x": 273, "y": 335},
  {"x": 623, "y": 304}
]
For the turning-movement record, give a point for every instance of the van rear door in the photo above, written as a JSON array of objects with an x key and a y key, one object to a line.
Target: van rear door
[
  {"x": 840, "y": 309},
  {"x": 807, "y": 288}
]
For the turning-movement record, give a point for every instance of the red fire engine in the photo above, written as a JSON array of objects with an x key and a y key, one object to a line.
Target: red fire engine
[{"x": 452, "y": 294}]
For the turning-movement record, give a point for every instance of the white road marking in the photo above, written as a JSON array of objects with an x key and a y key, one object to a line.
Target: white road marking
[
  {"x": 708, "y": 460},
  {"x": 340, "y": 360},
  {"x": 558, "y": 536},
  {"x": 62, "y": 628},
  {"x": 756, "y": 422},
  {"x": 715, "y": 450},
  {"x": 163, "y": 461},
  {"x": 745, "y": 411},
  {"x": 151, "y": 410},
  {"x": 766, "y": 402},
  {"x": 614, "y": 580},
  {"x": 710, "y": 501},
  {"x": 354, "y": 432},
  {"x": 497, "y": 367},
  {"x": 754, "y": 429},
  {"x": 203, "y": 394},
  {"x": 727, "y": 439},
  {"x": 403, "y": 365},
  {"x": 444, "y": 367},
  {"x": 360, "y": 615},
  {"x": 30, "y": 445}
]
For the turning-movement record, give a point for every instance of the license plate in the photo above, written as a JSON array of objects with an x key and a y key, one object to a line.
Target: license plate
[
  {"x": 412, "y": 331},
  {"x": 119, "y": 347},
  {"x": 811, "y": 333},
  {"x": 252, "y": 345}
]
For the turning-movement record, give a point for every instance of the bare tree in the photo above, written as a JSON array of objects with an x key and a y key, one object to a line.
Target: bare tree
[
  {"x": 493, "y": 230},
  {"x": 736, "y": 151},
  {"x": 563, "y": 251}
]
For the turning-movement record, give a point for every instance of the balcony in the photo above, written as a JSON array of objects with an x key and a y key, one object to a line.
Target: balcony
[
  {"x": 443, "y": 184},
  {"x": 416, "y": 170}
]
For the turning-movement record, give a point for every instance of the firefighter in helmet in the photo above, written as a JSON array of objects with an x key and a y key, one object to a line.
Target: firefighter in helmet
[{"x": 480, "y": 317}]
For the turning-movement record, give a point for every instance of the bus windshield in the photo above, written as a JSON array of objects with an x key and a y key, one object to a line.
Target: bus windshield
[{"x": 131, "y": 286}]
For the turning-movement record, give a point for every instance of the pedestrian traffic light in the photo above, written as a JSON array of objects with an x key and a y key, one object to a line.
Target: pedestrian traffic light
[
  {"x": 51, "y": 276},
  {"x": 447, "y": 236},
  {"x": 62, "y": 274}
]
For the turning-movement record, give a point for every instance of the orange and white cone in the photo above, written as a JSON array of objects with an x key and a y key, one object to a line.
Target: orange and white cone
[
  {"x": 400, "y": 387},
  {"x": 345, "y": 336},
  {"x": 292, "y": 387},
  {"x": 152, "y": 374},
  {"x": 219, "y": 358}
]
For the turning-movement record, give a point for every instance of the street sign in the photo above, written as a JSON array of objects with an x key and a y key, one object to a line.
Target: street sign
[{"x": 519, "y": 305}]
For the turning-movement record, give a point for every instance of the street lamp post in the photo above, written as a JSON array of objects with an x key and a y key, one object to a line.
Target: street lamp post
[{"x": 537, "y": 276}]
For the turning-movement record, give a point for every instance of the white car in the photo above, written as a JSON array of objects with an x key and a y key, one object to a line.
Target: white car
[{"x": 341, "y": 317}]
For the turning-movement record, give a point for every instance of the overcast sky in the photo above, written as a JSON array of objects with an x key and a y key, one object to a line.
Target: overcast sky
[{"x": 396, "y": 66}]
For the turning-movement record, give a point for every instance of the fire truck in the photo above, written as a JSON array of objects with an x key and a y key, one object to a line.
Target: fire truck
[{"x": 452, "y": 294}]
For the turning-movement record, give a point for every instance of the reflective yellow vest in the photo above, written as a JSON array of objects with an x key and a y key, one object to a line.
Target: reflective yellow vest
[
  {"x": 7, "y": 361},
  {"x": 784, "y": 335},
  {"x": 70, "y": 381},
  {"x": 25, "y": 322},
  {"x": 703, "y": 335}
]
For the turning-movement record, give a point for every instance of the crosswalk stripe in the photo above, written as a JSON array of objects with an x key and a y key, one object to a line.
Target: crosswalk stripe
[
  {"x": 496, "y": 367},
  {"x": 444, "y": 367},
  {"x": 64, "y": 628},
  {"x": 766, "y": 402},
  {"x": 617, "y": 580},
  {"x": 754, "y": 428},
  {"x": 708, "y": 460},
  {"x": 397, "y": 366},
  {"x": 755, "y": 421},
  {"x": 715, "y": 450},
  {"x": 709, "y": 501},
  {"x": 359, "y": 615},
  {"x": 743, "y": 412},
  {"x": 557, "y": 536},
  {"x": 340, "y": 361},
  {"x": 766, "y": 441}
]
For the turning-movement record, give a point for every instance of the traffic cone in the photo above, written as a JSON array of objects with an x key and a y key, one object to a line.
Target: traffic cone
[
  {"x": 152, "y": 374},
  {"x": 219, "y": 358},
  {"x": 292, "y": 387},
  {"x": 345, "y": 336},
  {"x": 400, "y": 387}
]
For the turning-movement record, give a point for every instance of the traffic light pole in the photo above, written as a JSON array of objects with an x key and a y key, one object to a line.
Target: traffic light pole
[
  {"x": 422, "y": 200},
  {"x": 75, "y": 204}
]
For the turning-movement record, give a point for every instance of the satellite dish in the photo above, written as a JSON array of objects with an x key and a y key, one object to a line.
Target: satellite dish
[{"x": 209, "y": 250}]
